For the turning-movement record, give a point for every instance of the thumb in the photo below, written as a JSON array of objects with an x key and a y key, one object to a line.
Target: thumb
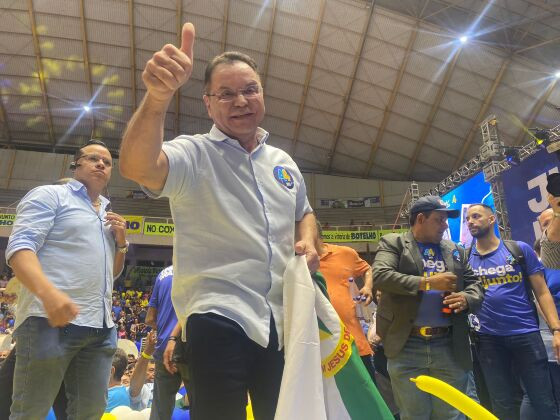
[
  {"x": 300, "y": 248},
  {"x": 187, "y": 39}
]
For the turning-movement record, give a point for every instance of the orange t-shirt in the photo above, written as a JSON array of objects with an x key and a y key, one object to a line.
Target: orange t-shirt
[{"x": 337, "y": 265}]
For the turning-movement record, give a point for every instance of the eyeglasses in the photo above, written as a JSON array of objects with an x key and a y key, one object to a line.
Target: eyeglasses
[
  {"x": 226, "y": 95},
  {"x": 94, "y": 158}
]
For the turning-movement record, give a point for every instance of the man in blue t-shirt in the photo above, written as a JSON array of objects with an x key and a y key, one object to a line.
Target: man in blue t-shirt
[
  {"x": 508, "y": 338},
  {"x": 117, "y": 394},
  {"x": 161, "y": 316}
]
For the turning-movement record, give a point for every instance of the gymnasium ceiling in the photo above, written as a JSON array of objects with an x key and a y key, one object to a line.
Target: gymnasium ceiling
[{"x": 380, "y": 89}]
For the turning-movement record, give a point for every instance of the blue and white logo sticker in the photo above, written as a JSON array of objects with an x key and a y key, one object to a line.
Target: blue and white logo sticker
[{"x": 284, "y": 177}]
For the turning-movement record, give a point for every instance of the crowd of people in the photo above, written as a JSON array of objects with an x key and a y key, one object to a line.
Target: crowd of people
[{"x": 240, "y": 207}]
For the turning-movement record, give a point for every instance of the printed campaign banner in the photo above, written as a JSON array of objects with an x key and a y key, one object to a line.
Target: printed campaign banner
[
  {"x": 7, "y": 219},
  {"x": 334, "y": 236},
  {"x": 134, "y": 224},
  {"x": 158, "y": 229},
  {"x": 525, "y": 191}
]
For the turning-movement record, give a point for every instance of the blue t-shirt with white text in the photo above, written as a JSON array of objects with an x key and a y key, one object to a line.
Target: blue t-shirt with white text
[
  {"x": 506, "y": 308},
  {"x": 429, "y": 312},
  {"x": 166, "y": 317}
]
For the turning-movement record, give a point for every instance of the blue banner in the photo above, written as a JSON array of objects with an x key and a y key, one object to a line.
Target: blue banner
[
  {"x": 474, "y": 190},
  {"x": 525, "y": 190}
]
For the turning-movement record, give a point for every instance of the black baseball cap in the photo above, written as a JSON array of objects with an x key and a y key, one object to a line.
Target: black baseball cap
[{"x": 430, "y": 203}]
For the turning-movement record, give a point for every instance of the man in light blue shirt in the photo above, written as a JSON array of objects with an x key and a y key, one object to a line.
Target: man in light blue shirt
[
  {"x": 240, "y": 211},
  {"x": 64, "y": 248}
]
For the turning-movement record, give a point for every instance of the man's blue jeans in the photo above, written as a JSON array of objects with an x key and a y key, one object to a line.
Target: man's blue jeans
[
  {"x": 433, "y": 357},
  {"x": 525, "y": 355},
  {"x": 81, "y": 356}
]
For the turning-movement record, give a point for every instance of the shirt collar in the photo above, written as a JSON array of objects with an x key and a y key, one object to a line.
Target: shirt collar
[
  {"x": 215, "y": 134},
  {"x": 78, "y": 187},
  {"x": 329, "y": 248}
]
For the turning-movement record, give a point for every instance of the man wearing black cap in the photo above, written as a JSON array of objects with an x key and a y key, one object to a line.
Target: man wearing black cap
[{"x": 427, "y": 287}]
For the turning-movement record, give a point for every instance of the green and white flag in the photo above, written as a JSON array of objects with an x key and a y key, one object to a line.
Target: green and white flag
[{"x": 324, "y": 377}]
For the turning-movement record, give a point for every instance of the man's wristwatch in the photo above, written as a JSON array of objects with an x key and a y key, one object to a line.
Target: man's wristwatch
[
  {"x": 123, "y": 249},
  {"x": 553, "y": 330},
  {"x": 173, "y": 338}
]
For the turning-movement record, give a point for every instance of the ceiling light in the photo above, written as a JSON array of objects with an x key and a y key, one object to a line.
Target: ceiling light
[
  {"x": 464, "y": 39},
  {"x": 557, "y": 74},
  {"x": 87, "y": 108}
]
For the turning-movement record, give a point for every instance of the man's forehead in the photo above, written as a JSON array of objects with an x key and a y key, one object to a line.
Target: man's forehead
[
  {"x": 478, "y": 209},
  {"x": 96, "y": 148},
  {"x": 238, "y": 69}
]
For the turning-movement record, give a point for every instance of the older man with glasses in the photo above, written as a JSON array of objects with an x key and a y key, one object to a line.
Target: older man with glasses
[{"x": 240, "y": 212}]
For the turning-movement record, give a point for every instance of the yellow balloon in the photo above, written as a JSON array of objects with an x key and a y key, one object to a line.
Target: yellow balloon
[
  {"x": 108, "y": 416},
  {"x": 453, "y": 397},
  {"x": 250, "y": 411}
]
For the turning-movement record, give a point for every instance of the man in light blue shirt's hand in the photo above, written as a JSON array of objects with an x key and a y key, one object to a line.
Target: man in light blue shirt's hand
[
  {"x": 240, "y": 211},
  {"x": 64, "y": 248}
]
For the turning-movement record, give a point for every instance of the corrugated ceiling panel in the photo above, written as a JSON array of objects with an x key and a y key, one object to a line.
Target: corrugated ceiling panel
[
  {"x": 21, "y": 122},
  {"x": 63, "y": 49},
  {"x": 74, "y": 94},
  {"x": 18, "y": 65},
  {"x": 337, "y": 63},
  {"x": 380, "y": 52},
  {"x": 193, "y": 107},
  {"x": 31, "y": 105},
  {"x": 113, "y": 95},
  {"x": 376, "y": 96},
  {"x": 112, "y": 77},
  {"x": 478, "y": 59},
  {"x": 308, "y": 8},
  {"x": 423, "y": 173},
  {"x": 294, "y": 26},
  {"x": 17, "y": 44},
  {"x": 251, "y": 15},
  {"x": 436, "y": 159},
  {"x": 107, "y": 11},
  {"x": 353, "y": 148},
  {"x": 469, "y": 83},
  {"x": 278, "y": 127},
  {"x": 461, "y": 104},
  {"x": 319, "y": 120},
  {"x": 425, "y": 67},
  {"x": 507, "y": 129},
  {"x": 58, "y": 26},
  {"x": 406, "y": 127},
  {"x": 284, "y": 90},
  {"x": 155, "y": 17},
  {"x": 211, "y": 8},
  {"x": 444, "y": 141},
  {"x": 377, "y": 74},
  {"x": 68, "y": 8},
  {"x": 391, "y": 27},
  {"x": 394, "y": 142},
  {"x": 344, "y": 41},
  {"x": 239, "y": 35},
  {"x": 358, "y": 131},
  {"x": 548, "y": 117},
  {"x": 315, "y": 136},
  {"x": 364, "y": 114},
  {"x": 112, "y": 55},
  {"x": 435, "y": 45},
  {"x": 291, "y": 49},
  {"x": 281, "y": 108},
  {"x": 345, "y": 15},
  {"x": 348, "y": 165},
  {"x": 108, "y": 33},
  {"x": 531, "y": 81},
  {"x": 193, "y": 89},
  {"x": 330, "y": 82},
  {"x": 17, "y": 21},
  {"x": 418, "y": 88},
  {"x": 204, "y": 50},
  {"x": 452, "y": 123},
  {"x": 324, "y": 101},
  {"x": 513, "y": 101},
  {"x": 280, "y": 142},
  {"x": 152, "y": 40},
  {"x": 411, "y": 108},
  {"x": 386, "y": 159},
  {"x": 24, "y": 135},
  {"x": 207, "y": 28},
  {"x": 311, "y": 153}
]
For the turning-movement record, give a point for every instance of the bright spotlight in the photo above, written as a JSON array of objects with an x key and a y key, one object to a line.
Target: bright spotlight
[
  {"x": 86, "y": 108},
  {"x": 557, "y": 74},
  {"x": 464, "y": 39}
]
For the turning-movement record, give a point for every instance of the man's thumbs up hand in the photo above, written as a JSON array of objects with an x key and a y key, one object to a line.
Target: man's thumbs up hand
[{"x": 170, "y": 67}]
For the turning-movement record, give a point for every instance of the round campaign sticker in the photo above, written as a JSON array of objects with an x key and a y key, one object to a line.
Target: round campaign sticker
[{"x": 284, "y": 177}]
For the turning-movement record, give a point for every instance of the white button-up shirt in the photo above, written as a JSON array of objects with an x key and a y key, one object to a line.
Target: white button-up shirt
[{"x": 235, "y": 215}]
